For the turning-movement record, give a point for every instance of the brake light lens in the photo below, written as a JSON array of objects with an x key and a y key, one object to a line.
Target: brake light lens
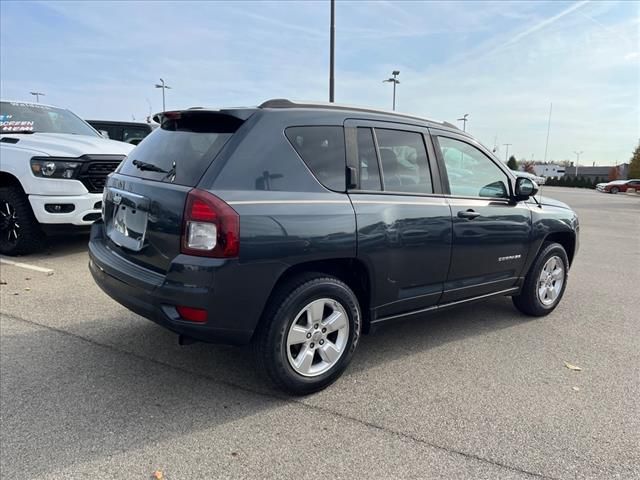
[{"x": 211, "y": 227}]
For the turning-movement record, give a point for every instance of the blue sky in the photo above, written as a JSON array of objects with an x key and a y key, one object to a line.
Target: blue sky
[{"x": 501, "y": 62}]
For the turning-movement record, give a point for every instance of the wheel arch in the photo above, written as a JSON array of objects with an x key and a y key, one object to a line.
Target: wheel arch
[
  {"x": 9, "y": 180},
  {"x": 566, "y": 239},
  {"x": 351, "y": 271}
]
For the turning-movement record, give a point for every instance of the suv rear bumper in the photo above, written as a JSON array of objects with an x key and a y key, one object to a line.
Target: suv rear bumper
[
  {"x": 84, "y": 208},
  {"x": 232, "y": 314}
]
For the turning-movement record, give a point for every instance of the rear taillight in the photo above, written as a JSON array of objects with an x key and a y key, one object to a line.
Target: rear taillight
[{"x": 211, "y": 227}]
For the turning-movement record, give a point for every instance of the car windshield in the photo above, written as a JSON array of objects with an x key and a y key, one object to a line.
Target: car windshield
[{"x": 19, "y": 117}]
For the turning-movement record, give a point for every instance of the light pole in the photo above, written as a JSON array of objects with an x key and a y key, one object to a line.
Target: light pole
[
  {"x": 578, "y": 160},
  {"x": 506, "y": 154},
  {"x": 464, "y": 122},
  {"x": 395, "y": 82},
  {"x": 332, "y": 49},
  {"x": 37, "y": 95},
  {"x": 163, "y": 87}
]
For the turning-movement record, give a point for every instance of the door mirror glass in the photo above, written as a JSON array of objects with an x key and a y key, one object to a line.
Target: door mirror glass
[{"x": 525, "y": 188}]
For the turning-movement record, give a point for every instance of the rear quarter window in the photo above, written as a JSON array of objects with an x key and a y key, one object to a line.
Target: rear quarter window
[{"x": 322, "y": 149}]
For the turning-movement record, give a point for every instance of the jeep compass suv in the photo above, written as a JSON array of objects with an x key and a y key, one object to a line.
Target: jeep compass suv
[{"x": 300, "y": 226}]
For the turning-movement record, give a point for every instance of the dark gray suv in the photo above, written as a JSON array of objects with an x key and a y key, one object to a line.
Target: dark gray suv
[{"x": 298, "y": 227}]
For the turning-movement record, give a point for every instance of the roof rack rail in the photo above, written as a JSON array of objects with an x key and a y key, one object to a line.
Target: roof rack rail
[{"x": 286, "y": 103}]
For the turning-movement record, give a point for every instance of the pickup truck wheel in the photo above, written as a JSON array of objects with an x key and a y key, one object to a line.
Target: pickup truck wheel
[
  {"x": 309, "y": 333},
  {"x": 545, "y": 283},
  {"x": 20, "y": 233}
]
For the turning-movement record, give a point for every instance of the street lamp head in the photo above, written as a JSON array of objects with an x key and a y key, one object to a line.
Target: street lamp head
[
  {"x": 395, "y": 72},
  {"x": 158, "y": 85}
]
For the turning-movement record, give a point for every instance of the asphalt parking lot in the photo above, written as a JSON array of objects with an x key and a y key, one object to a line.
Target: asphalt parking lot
[{"x": 90, "y": 390}]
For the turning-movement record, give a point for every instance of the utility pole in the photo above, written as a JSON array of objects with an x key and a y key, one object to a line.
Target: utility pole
[
  {"x": 164, "y": 87},
  {"x": 548, "y": 130},
  {"x": 332, "y": 49},
  {"x": 464, "y": 122},
  {"x": 578, "y": 160},
  {"x": 37, "y": 95},
  {"x": 506, "y": 154},
  {"x": 395, "y": 82}
]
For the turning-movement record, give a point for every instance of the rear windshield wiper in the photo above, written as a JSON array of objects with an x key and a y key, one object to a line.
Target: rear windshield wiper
[{"x": 148, "y": 166}]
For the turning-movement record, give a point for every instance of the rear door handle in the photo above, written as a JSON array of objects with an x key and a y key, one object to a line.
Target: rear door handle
[{"x": 468, "y": 214}]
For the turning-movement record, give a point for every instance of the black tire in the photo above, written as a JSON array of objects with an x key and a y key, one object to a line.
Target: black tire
[
  {"x": 20, "y": 232},
  {"x": 288, "y": 301},
  {"x": 528, "y": 302},
  {"x": 614, "y": 190}
]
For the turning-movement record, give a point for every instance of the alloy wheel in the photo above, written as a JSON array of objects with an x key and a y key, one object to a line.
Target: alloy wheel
[
  {"x": 318, "y": 337},
  {"x": 551, "y": 281},
  {"x": 9, "y": 224}
]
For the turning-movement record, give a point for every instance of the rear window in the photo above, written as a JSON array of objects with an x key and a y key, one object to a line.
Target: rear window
[
  {"x": 322, "y": 149},
  {"x": 182, "y": 148}
]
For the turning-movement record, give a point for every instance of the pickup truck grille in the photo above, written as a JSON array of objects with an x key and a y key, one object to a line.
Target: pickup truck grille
[{"x": 94, "y": 174}]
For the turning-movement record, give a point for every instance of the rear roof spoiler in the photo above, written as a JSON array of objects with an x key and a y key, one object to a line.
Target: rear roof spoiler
[{"x": 239, "y": 113}]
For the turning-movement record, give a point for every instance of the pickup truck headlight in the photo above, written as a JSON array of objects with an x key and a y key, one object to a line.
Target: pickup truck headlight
[{"x": 49, "y": 167}]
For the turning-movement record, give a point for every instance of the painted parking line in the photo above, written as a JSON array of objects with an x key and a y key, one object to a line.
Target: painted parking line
[{"x": 36, "y": 268}]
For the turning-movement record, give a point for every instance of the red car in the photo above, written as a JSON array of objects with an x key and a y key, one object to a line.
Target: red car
[{"x": 619, "y": 186}]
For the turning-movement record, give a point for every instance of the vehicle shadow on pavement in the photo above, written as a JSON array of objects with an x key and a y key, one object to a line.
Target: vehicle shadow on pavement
[
  {"x": 406, "y": 337},
  {"x": 236, "y": 365},
  {"x": 58, "y": 246},
  {"x": 120, "y": 384},
  {"x": 67, "y": 401}
]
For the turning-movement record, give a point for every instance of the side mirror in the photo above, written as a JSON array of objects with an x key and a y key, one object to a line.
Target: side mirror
[
  {"x": 104, "y": 133},
  {"x": 525, "y": 188}
]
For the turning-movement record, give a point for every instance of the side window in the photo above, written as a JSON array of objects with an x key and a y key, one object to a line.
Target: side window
[
  {"x": 368, "y": 161},
  {"x": 404, "y": 161},
  {"x": 471, "y": 173},
  {"x": 322, "y": 149},
  {"x": 133, "y": 135}
]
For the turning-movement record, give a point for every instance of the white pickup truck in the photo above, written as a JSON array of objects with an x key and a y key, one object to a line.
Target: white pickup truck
[{"x": 53, "y": 167}]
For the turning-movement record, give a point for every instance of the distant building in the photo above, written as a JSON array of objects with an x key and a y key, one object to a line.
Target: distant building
[
  {"x": 598, "y": 172},
  {"x": 549, "y": 170}
]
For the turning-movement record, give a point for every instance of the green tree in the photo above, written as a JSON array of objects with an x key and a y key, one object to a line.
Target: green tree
[
  {"x": 634, "y": 163},
  {"x": 512, "y": 163}
]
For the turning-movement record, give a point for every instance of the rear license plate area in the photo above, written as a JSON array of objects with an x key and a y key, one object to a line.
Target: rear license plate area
[{"x": 126, "y": 220}]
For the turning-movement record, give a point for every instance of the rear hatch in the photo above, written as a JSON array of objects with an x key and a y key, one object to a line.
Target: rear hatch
[{"x": 144, "y": 200}]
